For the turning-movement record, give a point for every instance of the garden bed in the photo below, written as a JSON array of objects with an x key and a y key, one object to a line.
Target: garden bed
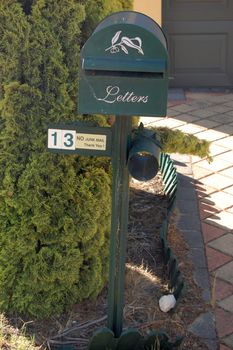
[{"x": 146, "y": 282}]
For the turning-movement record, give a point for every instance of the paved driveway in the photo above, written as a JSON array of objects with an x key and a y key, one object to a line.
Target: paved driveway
[{"x": 206, "y": 201}]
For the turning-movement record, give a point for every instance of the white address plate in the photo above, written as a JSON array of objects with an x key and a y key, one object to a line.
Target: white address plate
[{"x": 61, "y": 139}]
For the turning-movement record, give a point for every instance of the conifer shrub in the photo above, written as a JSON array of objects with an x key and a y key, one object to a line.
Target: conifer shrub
[
  {"x": 96, "y": 10},
  {"x": 176, "y": 141},
  {"x": 54, "y": 209}
]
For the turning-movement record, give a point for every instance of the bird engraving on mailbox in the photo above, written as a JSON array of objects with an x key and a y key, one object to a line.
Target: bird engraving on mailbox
[{"x": 124, "y": 44}]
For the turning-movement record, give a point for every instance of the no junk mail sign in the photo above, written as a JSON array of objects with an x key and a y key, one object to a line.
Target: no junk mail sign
[
  {"x": 123, "y": 68},
  {"x": 80, "y": 138}
]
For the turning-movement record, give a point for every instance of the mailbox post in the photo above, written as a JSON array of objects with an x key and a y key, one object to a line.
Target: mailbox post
[
  {"x": 119, "y": 225},
  {"x": 123, "y": 72}
]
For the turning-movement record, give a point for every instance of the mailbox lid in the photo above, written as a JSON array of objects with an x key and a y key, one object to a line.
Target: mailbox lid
[
  {"x": 133, "y": 18},
  {"x": 125, "y": 42},
  {"x": 126, "y": 37}
]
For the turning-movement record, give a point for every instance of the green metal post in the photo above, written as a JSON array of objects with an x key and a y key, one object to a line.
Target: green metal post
[{"x": 119, "y": 227}]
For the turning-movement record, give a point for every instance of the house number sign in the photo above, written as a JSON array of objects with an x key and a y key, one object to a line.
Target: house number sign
[{"x": 81, "y": 140}]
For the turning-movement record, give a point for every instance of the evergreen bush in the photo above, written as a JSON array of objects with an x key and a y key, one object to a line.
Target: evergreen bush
[
  {"x": 54, "y": 209},
  {"x": 176, "y": 141},
  {"x": 96, "y": 10}
]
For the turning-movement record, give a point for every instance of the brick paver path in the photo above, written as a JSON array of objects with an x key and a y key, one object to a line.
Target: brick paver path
[{"x": 208, "y": 114}]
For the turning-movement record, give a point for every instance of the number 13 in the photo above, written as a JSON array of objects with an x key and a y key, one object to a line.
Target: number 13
[{"x": 61, "y": 139}]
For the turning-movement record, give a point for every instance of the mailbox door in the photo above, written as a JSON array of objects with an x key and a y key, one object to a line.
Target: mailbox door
[{"x": 124, "y": 95}]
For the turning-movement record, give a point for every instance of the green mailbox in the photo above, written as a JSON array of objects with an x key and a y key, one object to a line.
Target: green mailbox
[
  {"x": 124, "y": 67},
  {"x": 123, "y": 72}
]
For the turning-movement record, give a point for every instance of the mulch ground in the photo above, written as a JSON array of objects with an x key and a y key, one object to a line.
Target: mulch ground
[{"x": 146, "y": 281}]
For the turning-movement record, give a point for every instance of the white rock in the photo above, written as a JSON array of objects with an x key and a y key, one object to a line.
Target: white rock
[{"x": 167, "y": 302}]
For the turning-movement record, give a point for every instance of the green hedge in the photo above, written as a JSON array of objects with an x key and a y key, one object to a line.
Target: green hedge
[
  {"x": 54, "y": 209},
  {"x": 96, "y": 10}
]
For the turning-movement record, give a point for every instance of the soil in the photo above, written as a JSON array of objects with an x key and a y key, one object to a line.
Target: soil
[{"x": 146, "y": 282}]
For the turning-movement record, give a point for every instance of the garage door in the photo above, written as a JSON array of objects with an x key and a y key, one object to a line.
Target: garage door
[{"x": 200, "y": 41}]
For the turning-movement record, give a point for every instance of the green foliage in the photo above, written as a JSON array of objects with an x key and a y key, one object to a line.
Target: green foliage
[
  {"x": 135, "y": 122},
  {"x": 96, "y": 10},
  {"x": 54, "y": 209},
  {"x": 14, "y": 31},
  {"x": 126, "y": 4},
  {"x": 175, "y": 141}
]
